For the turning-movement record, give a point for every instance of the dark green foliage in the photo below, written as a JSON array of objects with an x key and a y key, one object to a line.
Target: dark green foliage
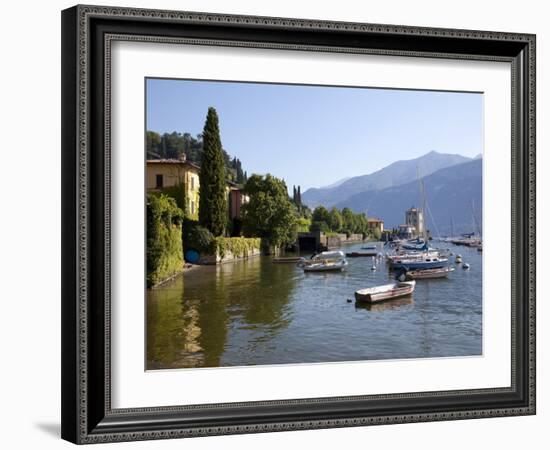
[
  {"x": 269, "y": 214},
  {"x": 174, "y": 145},
  {"x": 164, "y": 244},
  {"x": 178, "y": 193},
  {"x": 154, "y": 148},
  {"x": 320, "y": 214},
  {"x": 237, "y": 171},
  {"x": 297, "y": 196},
  {"x": 336, "y": 221},
  {"x": 319, "y": 226},
  {"x": 348, "y": 218},
  {"x": 212, "y": 191},
  {"x": 196, "y": 237}
]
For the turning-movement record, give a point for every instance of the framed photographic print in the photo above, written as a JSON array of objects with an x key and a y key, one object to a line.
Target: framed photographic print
[{"x": 279, "y": 224}]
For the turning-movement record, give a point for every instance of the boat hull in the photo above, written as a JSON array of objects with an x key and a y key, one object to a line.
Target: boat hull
[
  {"x": 322, "y": 267},
  {"x": 361, "y": 254},
  {"x": 419, "y": 265},
  {"x": 397, "y": 290},
  {"x": 428, "y": 274}
]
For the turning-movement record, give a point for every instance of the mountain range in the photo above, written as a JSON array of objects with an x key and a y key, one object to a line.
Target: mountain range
[
  {"x": 399, "y": 172},
  {"x": 453, "y": 185}
]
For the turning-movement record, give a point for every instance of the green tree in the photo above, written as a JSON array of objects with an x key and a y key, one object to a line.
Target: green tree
[
  {"x": 348, "y": 218},
  {"x": 212, "y": 193},
  {"x": 319, "y": 226},
  {"x": 154, "y": 149},
  {"x": 269, "y": 214},
  {"x": 336, "y": 221},
  {"x": 320, "y": 214}
]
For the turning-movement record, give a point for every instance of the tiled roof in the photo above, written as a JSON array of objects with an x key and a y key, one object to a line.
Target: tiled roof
[{"x": 173, "y": 161}]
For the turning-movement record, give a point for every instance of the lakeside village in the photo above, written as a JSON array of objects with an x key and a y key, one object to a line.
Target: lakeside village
[{"x": 204, "y": 209}]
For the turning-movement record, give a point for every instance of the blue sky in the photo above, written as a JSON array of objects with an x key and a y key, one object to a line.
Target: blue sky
[{"x": 315, "y": 135}]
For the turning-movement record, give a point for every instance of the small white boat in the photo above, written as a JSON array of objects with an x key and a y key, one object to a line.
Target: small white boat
[
  {"x": 326, "y": 262},
  {"x": 326, "y": 266},
  {"x": 428, "y": 273},
  {"x": 386, "y": 292},
  {"x": 412, "y": 256}
]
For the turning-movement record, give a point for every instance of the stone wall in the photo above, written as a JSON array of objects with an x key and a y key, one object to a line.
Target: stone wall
[
  {"x": 227, "y": 257},
  {"x": 339, "y": 239}
]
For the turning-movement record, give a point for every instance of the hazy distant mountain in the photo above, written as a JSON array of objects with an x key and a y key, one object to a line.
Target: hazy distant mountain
[
  {"x": 336, "y": 184},
  {"x": 395, "y": 174},
  {"x": 452, "y": 193}
]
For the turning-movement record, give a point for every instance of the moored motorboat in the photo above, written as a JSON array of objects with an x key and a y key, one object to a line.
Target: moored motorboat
[
  {"x": 416, "y": 256},
  {"x": 428, "y": 262},
  {"x": 326, "y": 266},
  {"x": 385, "y": 292},
  {"x": 326, "y": 262}
]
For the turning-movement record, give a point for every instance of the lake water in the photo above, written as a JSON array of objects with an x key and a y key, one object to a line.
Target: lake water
[{"x": 255, "y": 312}]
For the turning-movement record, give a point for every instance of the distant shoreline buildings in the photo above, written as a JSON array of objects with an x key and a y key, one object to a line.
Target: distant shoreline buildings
[{"x": 414, "y": 223}]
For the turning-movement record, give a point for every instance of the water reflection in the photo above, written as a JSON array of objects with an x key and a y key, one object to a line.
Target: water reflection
[
  {"x": 246, "y": 297},
  {"x": 256, "y": 312},
  {"x": 386, "y": 306},
  {"x": 173, "y": 329}
]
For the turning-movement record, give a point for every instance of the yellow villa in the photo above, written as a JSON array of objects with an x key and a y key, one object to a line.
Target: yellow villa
[{"x": 165, "y": 173}]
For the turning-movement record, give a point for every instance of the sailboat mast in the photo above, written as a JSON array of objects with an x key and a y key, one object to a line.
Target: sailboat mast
[
  {"x": 476, "y": 225},
  {"x": 423, "y": 202}
]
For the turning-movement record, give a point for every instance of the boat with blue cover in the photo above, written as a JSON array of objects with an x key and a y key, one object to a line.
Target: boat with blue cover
[{"x": 429, "y": 262}]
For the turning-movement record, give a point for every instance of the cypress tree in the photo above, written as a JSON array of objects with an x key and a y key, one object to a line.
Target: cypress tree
[{"x": 212, "y": 191}]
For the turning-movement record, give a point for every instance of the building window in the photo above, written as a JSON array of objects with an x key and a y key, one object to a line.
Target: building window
[
  {"x": 192, "y": 207},
  {"x": 192, "y": 183},
  {"x": 160, "y": 181}
]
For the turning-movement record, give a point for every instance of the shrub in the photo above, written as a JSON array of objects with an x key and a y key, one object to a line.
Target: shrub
[
  {"x": 303, "y": 224},
  {"x": 164, "y": 245},
  {"x": 197, "y": 237},
  {"x": 238, "y": 246}
]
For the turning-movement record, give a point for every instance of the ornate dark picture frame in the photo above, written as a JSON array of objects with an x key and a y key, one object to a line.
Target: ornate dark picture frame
[{"x": 87, "y": 33}]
